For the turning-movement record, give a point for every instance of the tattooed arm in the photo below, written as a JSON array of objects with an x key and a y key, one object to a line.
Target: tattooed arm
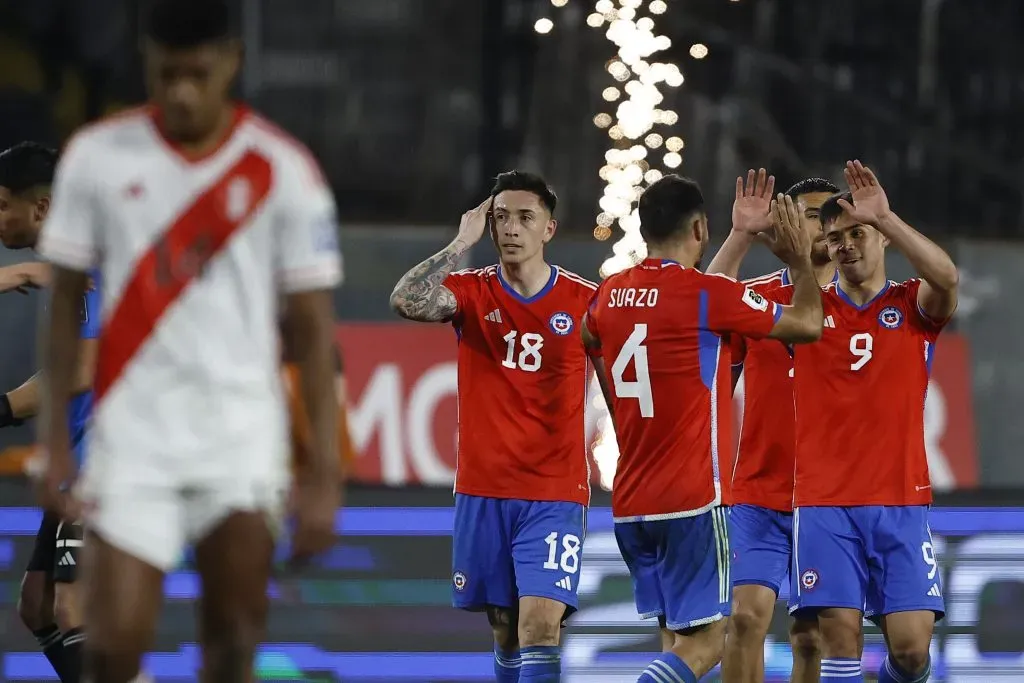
[{"x": 420, "y": 294}]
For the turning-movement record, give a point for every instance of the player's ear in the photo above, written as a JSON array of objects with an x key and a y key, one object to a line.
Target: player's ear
[
  {"x": 550, "y": 229},
  {"x": 41, "y": 208}
]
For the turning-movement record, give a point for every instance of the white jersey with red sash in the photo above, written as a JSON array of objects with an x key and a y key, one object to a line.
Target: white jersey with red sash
[{"x": 195, "y": 254}]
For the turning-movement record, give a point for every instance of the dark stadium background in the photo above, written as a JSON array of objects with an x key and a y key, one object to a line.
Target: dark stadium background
[{"x": 412, "y": 106}]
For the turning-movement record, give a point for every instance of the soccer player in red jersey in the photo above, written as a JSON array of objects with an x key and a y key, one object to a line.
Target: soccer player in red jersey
[
  {"x": 862, "y": 544},
  {"x": 661, "y": 329},
  {"x": 761, "y": 516},
  {"x": 522, "y": 484}
]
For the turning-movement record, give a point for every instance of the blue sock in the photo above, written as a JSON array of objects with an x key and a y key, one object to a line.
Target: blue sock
[
  {"x": 667, "y": 667},
  {"x": 841, "y": 670},
  {"x": 506, "y": 665},
  {"x": 890, "y": 672},
  {"x": 541, "y": 664}
]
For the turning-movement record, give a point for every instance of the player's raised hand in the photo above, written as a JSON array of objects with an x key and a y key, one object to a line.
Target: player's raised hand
[
  {"x": 315, "y": 504},
  {"x": 870, "y": 203},
  {"x": 751, "y": 210},
  {"x": 474, "y": 222},
  {"x": 789, "y": 240}
]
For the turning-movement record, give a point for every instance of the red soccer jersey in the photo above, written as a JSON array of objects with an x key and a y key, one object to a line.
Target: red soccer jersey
[
  {"x": 860, "y": 395},
  {"x": 663, "y": 331},
  {"x": 523, "y": 376},
  {"x": 763, "y": 471}
]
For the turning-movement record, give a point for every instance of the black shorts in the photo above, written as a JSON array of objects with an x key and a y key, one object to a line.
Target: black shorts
[{"x": 57, "y": 549}]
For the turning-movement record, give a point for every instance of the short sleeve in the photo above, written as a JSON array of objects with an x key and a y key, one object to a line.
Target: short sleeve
[
  {"x": 460, "y": 285},
  {"x": 911, "y": 290},
  {"x": 728, "y": 306},
  {"x": 70, "y": 236},
  {"x": 91, "y": 309},
  {"x": 309, "y": 257}
]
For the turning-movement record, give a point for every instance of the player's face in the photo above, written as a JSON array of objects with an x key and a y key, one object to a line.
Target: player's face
[
  {"x": 859, "y": 249},
  {"x": 191, "y": 86},
  {"x": 521, "y": 227},
  {"x": 810, "y": 208},
  {"x": 20, "y": 219}
]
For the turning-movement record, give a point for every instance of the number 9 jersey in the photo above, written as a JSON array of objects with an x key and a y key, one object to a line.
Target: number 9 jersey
[
  {"x": 860, "y": 395},
  {"x": 663, "y": 331}
]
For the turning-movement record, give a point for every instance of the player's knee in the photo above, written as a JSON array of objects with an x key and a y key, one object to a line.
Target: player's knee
[
  {"x": 749, "y": 620},
  {"x": 912, "y": 659},
  {"x": 110, "y": 664},
  {"x": 504, "y": 625},
  {"x": 538, "y": 628},
  {"x": 66, "y": 606},
  {"x": 840, "y": 633},
  {"x": 35, "y": 605},
  {"x": 805, "y": 639}
]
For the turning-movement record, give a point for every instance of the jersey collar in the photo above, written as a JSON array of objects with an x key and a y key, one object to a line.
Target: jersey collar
[{"x": 523, "y": 299}]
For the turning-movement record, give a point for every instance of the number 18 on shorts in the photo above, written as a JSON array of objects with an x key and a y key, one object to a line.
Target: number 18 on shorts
[{"x": 504, "y": 549}]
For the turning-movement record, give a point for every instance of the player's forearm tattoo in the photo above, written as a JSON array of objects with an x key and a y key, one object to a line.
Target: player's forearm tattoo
[{"x": 419, "y": 295}]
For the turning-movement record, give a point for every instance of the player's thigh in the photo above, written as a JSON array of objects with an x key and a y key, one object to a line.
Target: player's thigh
[
  {"x": 761, "y": 543},
  {"x": 640, "y": 551},
  {"x": 547, "y": 550},
  {"x": 904, "y": 572},
  {"x": 234, "y": 561},
  {"x": 829, "y": 567},
  {"x": 483, "y": 573},
  {"x": 122, "y": 593},
  {"x": 693, "y": 569}
]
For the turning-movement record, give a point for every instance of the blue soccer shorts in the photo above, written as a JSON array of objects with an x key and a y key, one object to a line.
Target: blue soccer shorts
[
  {"x": 874, "y": 558},
  {"x": 503, "y": 550},
  {"x": 761, "y": 540},
  {"x": 679, "y": 567}
]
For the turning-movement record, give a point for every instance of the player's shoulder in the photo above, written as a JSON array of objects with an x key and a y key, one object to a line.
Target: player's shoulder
[
  {"x": 577, "y": 284},
  {"x": 283, "y": 148},
  {"x": 768, "y": 282},
  {"x": 122, "y": 130},
  {"x": 475, "y": 276}
]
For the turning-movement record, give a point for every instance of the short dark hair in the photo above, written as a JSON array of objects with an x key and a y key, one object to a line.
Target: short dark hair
[
  {"x": 526, "y": 182},
  {"x": 188, "y": 23},
  {"x": 666, "y": 205},
  {"x": 27, "y": 165},
  {"x": 831, "y": 210},
  {"x": 809, "y": 185}
]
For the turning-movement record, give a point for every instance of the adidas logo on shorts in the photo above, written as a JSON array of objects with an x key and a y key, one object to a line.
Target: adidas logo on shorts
[
  {"x": 564, "y": 582},
  {"x": 934, "y": 591},
  {"x": 67, "y": 560}
]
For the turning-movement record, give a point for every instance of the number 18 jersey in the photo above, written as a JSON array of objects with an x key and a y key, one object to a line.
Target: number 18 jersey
[
  {"x": 860, "y": 395},
  {"x": 663, "y": 331},
  {"x": 523, "y": 376}
]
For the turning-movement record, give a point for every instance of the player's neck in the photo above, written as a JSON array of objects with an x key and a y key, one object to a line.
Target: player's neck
[
  {"x": 528, "y": 278},
  {"x": 216, "y": 136},
  {"x": 825, "y": 273},
  {"x": 863, "y": 292},
  {"x": 679, "y": 253}
]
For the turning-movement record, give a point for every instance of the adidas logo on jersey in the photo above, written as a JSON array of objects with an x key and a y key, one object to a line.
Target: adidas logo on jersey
[
  {"x": 829, "y": 322},
  {"x": 67, "y": 560},
  {"x": 494, "y": 316},
  {"x": 564, "y": 582},
  {"x": 934, "y": 591}
]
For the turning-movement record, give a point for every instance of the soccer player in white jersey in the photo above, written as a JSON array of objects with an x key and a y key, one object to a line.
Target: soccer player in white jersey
[{"x": 208, "y": 225}]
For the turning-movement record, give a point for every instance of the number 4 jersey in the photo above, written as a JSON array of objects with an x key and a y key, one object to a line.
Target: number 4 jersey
[
  {"x": 523, "y": 375},
  {"x": 860, "y": 395},
  {"x": 662, "y": 330}
]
